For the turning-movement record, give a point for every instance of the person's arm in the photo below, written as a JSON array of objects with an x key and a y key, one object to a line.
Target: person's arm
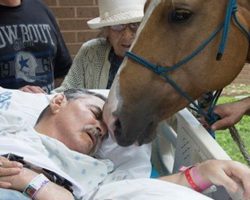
[
  {"x": 32, "y": 89},
  {"x": 13, "y": 176},
  {"x": 230, "y": 174},
  {"x": 49, "y": 191},
  {"x": 247, "y": 101},
  {"x": 231, "y": 113}
]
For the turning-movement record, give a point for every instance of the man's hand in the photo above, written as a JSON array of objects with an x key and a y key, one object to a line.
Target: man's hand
[
  {"x": 32, "y": 89},
  {"x": 20, "y": 180},
  {"x": 230, "y": 113},
  {"x": 8, "y": 168}
]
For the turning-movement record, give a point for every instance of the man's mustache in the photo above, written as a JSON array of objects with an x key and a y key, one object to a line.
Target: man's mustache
[{"x": 96, "y": 136}]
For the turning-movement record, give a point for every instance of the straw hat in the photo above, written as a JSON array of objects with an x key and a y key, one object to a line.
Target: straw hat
[{"x": 114, "y": 12}]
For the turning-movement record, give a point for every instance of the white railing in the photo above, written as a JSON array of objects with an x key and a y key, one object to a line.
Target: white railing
[{"x": 184, "y": 141}]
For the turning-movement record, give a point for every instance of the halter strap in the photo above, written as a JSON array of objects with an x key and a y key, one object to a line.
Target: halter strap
[
  {"x": 231, "y": 12},
  {"x": 210, "y": 116}
]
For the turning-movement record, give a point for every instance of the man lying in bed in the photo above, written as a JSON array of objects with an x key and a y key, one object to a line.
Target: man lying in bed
[
  {"x": 92, "y": 171},
  {"x": 72, "y": 120}
]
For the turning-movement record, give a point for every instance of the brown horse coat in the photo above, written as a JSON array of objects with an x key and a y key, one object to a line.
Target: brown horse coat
[{"x": 171, "y": 30}]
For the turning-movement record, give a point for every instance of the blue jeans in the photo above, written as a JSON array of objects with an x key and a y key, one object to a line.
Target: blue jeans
[{"x": 7, "y": 194}]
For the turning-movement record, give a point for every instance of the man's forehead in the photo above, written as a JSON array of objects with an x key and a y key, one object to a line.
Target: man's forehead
[{"x": 91, "y": 99}]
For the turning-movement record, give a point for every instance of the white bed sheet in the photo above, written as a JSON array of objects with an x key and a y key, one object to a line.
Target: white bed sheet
[{"x": 145, "y": 189}]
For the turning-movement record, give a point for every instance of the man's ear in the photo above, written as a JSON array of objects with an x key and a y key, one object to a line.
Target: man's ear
[{"x": 57, "y": 102}]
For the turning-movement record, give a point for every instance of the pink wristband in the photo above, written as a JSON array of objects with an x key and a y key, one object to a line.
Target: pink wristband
[{"x": 203, "y": 185}]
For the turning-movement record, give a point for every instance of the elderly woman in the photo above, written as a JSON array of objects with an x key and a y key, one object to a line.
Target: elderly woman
[{"x": 98, "y": 60}]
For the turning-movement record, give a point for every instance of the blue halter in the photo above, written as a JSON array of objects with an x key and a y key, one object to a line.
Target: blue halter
[{"x": 163, "y": 71}]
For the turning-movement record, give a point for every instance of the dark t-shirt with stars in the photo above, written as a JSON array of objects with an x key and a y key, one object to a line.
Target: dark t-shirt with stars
[{"x": 32, "y": 50}]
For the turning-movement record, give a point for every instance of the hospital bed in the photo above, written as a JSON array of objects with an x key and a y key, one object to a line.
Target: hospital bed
[
  {"x": 180, "y": 141},
  {"x": 183, "y": 141}
]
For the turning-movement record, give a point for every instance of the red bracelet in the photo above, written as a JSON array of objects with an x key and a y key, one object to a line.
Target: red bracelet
[
  {"x": 203, "y": 184},
  {"x": 191, "y": 181}
]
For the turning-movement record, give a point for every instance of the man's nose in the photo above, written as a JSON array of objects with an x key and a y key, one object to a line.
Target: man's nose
[{"x": 102, "y": 129}]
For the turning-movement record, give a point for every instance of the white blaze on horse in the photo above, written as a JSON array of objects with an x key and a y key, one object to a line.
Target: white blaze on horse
[{"x": 183, "y": 49}]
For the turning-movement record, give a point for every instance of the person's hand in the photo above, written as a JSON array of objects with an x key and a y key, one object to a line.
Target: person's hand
[
  {"x": 50, "y": 191},
  {"x": 230, "y": 174},
  {"x": 19, "y": 181},
  {"x": 32, "y": 89},
  {"x": 8, "y": 168},
  {"x": 230, "y": 113}
]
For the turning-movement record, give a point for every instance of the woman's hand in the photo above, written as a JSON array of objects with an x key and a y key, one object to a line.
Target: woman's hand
[
  {"x": 8, "y": 168},
  {"x": 230, "y": 174}
]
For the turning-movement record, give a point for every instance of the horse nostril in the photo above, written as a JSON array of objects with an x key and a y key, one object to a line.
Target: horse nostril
[{"x": 118, "y": 127}]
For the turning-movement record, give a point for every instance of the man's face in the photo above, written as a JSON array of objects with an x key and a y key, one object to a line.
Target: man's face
[{"x": 81, "y": 125}]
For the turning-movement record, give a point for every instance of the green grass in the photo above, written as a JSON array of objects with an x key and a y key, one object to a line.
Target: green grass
[{"x": 225, "y": 140}]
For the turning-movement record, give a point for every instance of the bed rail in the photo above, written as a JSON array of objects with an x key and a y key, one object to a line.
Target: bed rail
[{"x": 182, "y": 140}]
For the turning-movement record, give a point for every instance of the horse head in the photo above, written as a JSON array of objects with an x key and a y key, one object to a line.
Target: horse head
[{"x": 182, "y": 36}]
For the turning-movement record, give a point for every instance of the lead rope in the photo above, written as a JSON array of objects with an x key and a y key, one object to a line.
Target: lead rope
[
  {"x": 232, "y": 130},
  {"x": 237, "y": 139}
]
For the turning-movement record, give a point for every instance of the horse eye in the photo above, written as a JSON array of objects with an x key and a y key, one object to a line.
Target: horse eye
[{"x": 180, "y": 15}]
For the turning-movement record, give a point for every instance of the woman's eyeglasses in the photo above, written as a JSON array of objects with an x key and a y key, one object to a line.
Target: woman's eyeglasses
[{"x": 121, "y": 27}]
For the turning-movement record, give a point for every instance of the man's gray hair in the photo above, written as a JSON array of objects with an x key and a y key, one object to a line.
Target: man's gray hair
[{"x": 73, "y": 94}]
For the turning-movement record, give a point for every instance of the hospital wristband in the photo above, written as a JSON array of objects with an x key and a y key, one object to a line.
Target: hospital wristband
[
  {"x": 35, "y": 185},
  {"x": 194, "y": 179},
  {"x": 191, "y": 181},
  {"x": 203, "y": 185}
]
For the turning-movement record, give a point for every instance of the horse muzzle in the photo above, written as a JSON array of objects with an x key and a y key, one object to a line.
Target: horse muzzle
[{"x": 128, "y": 134}]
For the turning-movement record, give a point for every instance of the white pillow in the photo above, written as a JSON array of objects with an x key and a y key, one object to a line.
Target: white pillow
[{"x": 26, "y": 105}]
